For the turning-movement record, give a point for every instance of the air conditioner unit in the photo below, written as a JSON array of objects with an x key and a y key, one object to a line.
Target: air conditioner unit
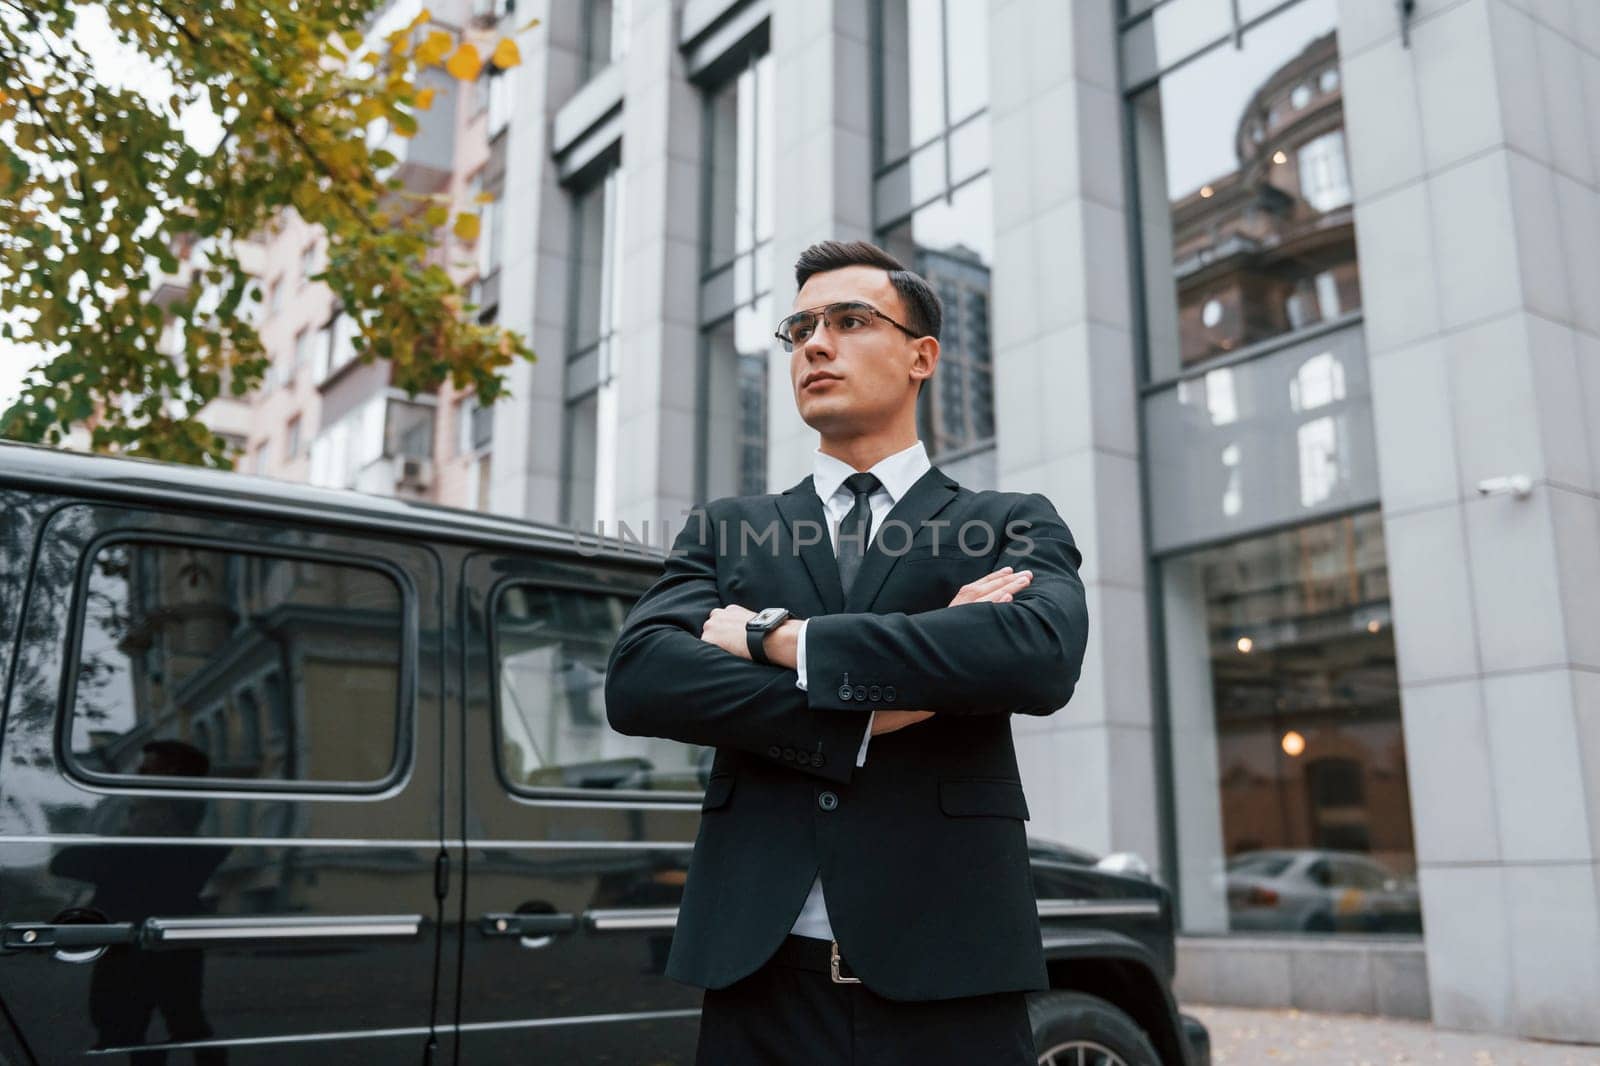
[{"x": 414, "y": 474}]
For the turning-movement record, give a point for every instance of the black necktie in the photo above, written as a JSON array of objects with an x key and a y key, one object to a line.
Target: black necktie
[{"x": 855, "y": 529}]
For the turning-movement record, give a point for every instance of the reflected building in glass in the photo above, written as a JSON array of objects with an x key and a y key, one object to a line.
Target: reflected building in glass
[{"x": 1269, "y": 297}]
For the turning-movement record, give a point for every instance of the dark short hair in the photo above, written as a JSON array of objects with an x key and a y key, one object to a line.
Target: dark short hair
[{"x": 923, "y": 313}]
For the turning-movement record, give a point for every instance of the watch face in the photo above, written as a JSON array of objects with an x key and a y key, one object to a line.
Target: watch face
[{"x": 766, "y": 616}]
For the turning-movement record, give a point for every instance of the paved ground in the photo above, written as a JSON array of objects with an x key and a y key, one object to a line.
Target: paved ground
[{"x": 1269, "y": 1037}]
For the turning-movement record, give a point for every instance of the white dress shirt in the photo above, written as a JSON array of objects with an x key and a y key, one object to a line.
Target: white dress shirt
[{"x": 896, "y": 474}]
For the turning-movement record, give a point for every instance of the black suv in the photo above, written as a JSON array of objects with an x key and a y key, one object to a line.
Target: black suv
[{"x": 310, "y": 776}]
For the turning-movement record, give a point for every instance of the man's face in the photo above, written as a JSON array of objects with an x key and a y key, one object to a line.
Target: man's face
[{"x": 860, "y": 382}]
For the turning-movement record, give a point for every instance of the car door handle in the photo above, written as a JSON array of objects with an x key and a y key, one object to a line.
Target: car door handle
[
  {"x": 527, "y": 925},
  {"x": 622, "y": 918},
  {"x": 40, "y": 936}
]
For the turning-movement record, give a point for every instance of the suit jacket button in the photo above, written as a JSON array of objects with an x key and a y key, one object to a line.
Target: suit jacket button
[
  {"x": 788, "y": 754},
  {"x": 861, "y": 692},
  {"x": 775, "y": 751},
  {"x": 845, "y": 694},
  {"x": 828, "y": 801},
  {"x": 888, "y": 693},
  {"x": 874, "y": 693},
  {"x": 817, "y": 760}
]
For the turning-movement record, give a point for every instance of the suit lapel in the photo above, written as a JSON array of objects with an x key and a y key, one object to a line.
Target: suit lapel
[
  {"x": 929, "y": 495},
  {"x": 798, "y": 504}
]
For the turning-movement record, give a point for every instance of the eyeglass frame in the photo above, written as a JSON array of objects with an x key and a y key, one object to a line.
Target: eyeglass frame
[{"x": 788, "y": 345}]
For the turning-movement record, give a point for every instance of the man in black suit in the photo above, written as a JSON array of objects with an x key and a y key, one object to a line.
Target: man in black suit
[{"x": 854, "y": 648}]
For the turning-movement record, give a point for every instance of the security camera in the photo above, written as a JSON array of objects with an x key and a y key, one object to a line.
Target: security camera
[{"x": 1518, "y": 485}]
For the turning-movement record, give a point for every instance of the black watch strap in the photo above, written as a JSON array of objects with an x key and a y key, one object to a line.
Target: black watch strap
[{"x": 756, "y": 639}]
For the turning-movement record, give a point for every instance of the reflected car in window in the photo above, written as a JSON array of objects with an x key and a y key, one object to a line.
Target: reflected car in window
[{"x": 1319, "y": 891}]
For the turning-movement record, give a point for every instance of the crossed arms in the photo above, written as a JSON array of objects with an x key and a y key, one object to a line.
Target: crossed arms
[{"x": 1011, "y": 646}]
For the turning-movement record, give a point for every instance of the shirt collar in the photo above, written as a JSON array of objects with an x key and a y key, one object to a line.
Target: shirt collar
[{"x": 897, "y": 472}]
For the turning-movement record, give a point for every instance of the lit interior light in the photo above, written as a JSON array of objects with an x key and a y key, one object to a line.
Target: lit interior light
[
  {"x": 1279, "y": 158},
  {"x": 1207, "y": 192},
  {"x": 1374, "y": 625},
  {"x": 1245, "y": 644},
  {"x": 1293, "y": 744}
]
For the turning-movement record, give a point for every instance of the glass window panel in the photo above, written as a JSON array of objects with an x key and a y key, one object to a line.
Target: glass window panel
[
  {"x": 591, "y": 424},
  {"x": 911, "y": 75},
  {"x": 409, "y": 432},
  {"x": 551, "y": 649},
  {"x": 589, "y": 231},
  {"x": 578, "y": 505},
  {"x": 969, "y": 150},
  {"x": 182, "y": 647},
  {"x": 765, "y": 138},
  {"x": 1184, "y": 26},
  {"x": 967, "y": 31},
  {"x": 605, "y": 34},
  {"x": 1268, "y": 441},
  {"x": 1245, "y": 219},
  {"x": 1174, "y": 31},
  {"x": 735, "y": 369},
  {"x": 951, "y": 244},
  {"x": 745, "y": 183},
  {"x": 1290, "y": 770},
  {"x": 928, "y": 173},
  {"x": 722, "y": 172}
]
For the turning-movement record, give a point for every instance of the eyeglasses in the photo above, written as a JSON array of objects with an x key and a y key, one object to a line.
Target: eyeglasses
[{"x": 844, "y": 318}]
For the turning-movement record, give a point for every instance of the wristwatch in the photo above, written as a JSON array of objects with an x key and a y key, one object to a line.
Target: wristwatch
[{"x": 756, "y": 630}]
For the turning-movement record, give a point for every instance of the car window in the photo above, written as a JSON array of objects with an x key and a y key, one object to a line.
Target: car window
[
  {"x": 1353, "y": 873},
  {"x": 1260, "y": 865},
  {"x": 551, "y": 648},
  {"x": 219, "y": 664}
]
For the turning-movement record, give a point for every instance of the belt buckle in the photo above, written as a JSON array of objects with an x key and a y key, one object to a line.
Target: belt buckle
[{"x": 833, "y": 967}]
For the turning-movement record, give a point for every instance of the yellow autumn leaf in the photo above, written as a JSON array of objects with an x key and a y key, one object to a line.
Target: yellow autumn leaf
[
  {"x": 425, "y": 99},
  {"x": 484, "y": 198},
  {"x": 506, "y": 54},
  {"x": 402, "y": 44},
  {"x": 530, "y": 24},
  {"x": 422, "y": 16},
  {"x": 431, "y": 50},
  {"x": 466, "y": 63},
  {"x": 467, "y": 226}
]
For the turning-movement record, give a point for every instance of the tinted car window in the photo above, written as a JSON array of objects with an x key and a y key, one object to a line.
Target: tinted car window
[
  {"x": 251, "y": 667},
  {"x": 551, "y": 647}
]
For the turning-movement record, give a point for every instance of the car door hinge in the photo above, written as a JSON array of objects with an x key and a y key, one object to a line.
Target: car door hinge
[{"x": 441, "y": 876}]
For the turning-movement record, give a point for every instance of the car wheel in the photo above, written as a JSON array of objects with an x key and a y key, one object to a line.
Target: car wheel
[{"x": 1072, "y": 1029}]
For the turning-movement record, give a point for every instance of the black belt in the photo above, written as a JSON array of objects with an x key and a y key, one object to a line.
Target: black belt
[{"x": 810, "y": 953}]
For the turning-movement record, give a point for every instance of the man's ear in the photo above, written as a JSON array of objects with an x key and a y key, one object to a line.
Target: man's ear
[{"x": 926, "y": 351}]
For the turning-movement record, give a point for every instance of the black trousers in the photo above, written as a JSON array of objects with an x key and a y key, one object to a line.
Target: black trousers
[{"x": 791, "y": 1013}]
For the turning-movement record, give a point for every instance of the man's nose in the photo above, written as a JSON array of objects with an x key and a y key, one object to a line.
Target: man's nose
[{"x": 818, "y": 345}]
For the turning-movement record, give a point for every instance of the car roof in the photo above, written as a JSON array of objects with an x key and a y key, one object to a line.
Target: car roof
[{"x": 66, "y": 473}]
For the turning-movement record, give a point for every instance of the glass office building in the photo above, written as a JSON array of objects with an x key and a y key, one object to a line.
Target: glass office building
[{"x": 1285, "y": 304}]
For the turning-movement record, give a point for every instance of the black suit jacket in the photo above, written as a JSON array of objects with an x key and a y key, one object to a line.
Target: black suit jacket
[{"x": 922, "y": 851}]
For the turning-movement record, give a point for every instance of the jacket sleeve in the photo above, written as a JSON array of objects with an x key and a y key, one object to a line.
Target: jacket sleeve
[
  {"x": 664, "y": 681},
  {"x": 1021, "y": 657}
]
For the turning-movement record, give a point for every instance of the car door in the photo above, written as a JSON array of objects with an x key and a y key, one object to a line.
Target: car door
[
  {"x": 577, "y": 838},
  {"x": 220, "y": 793}
]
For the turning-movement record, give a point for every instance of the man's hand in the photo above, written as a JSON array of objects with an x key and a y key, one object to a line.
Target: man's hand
[
  {"x": 998, "y": 587},
  {"x": 725, "y": 628}
]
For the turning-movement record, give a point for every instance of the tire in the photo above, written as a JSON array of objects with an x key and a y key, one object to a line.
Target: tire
[{"x": 1073, "y": 1029}]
